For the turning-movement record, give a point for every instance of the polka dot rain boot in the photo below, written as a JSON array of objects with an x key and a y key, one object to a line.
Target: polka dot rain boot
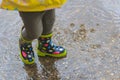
[
  {"x": 26, "y": 52},
  {"x": 47, "y": 48}
]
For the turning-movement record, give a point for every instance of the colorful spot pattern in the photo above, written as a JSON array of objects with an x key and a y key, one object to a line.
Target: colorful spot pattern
[
  {"x": 27, "y": 51},
  {"x": 47, "y": 46}
]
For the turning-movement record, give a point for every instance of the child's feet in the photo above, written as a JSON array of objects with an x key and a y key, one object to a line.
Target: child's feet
[
  {"x": 26, "y": 53},
  {"x": 47, "y": 48}
]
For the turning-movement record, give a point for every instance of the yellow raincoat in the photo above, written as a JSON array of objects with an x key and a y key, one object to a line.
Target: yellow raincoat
[{"x": 31, "y": 5}]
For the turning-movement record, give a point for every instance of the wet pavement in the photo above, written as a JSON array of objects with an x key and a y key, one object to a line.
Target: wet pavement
[{"x": 88, "y": 29}]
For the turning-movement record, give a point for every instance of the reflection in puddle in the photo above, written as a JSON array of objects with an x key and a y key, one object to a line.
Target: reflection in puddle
[
  {"x": 48, "y": 72},
  {"x": 32, "y": 72}
]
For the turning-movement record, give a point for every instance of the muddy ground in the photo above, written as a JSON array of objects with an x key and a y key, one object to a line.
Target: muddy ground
[{"x": 88, "y": 29}]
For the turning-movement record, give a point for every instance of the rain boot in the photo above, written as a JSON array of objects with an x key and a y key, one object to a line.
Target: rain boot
[
  {"x": 47, "y": 48},
  {"x": 26, "y": 51}
]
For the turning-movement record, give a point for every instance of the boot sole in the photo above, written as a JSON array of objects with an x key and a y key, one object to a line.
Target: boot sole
[
  {"x": 42, "y": 54},
  {"x": 26, "y": 61}
]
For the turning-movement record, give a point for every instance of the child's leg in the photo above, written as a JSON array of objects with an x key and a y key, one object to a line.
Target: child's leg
[
  {"x": 48, "y": 21},
  {"x": 32, "y": 25},
  {"x": 46, "y": 46},
  {"x": 32, "y": 30}
]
